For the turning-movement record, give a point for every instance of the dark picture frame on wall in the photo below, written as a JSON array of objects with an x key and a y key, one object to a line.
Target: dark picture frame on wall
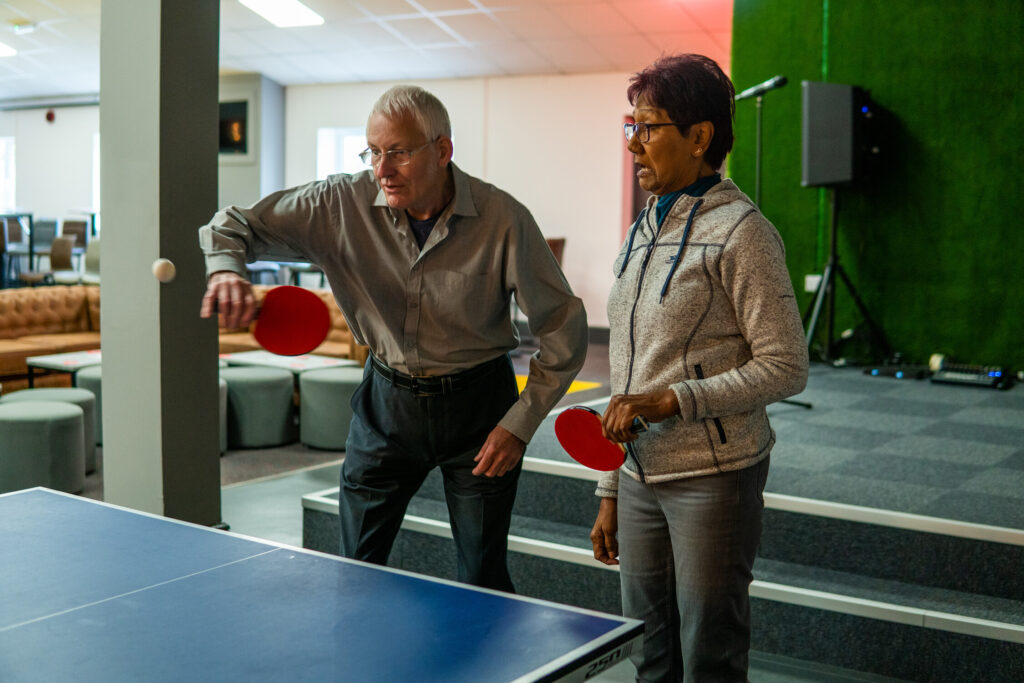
[{"x": 234, "y": 127}]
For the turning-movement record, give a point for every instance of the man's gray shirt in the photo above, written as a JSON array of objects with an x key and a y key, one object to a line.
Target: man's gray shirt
[{"x": 431, "y": 312}]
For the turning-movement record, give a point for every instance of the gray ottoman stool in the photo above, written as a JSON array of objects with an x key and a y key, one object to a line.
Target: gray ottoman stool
[
  {"x": 83, "y": 398},
  {"x": 91, "y": 378},
  {"x": 261, "y": 411},
  {"x": 324, "y": 399},
  {"x": 42, "y": 444}
]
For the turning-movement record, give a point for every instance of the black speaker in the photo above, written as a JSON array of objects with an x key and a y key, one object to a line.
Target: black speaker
[{"x": 837, "y": 133}]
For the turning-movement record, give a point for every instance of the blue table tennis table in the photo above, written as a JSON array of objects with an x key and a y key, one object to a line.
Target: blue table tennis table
[{"x": 94, "y": 592}]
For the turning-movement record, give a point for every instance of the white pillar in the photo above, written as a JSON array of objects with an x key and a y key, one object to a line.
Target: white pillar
[{"x": 158, "y": 151}]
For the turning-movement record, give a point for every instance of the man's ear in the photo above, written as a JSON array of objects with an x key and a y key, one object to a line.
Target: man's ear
[{"x": 447, "y": 150}]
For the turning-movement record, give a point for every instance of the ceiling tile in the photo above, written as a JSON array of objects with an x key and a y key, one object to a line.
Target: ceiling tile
[
  {"x": 532, "y": 22},
  {"x": 478, "y": 28},
  {"x": 626, "y": 53},
  {"x": 519, "y": 57},
  {"x": 373, "y": 36},
  {"x": 655, "y": 15},
  {"x": 327, "y": 38},
  {"x": 421, "y": 31},
  {"x": 276, "y": 41},
  {"x": 696, "y": 42},
  {"x": 710, "y": 15},
  {"x": 459, "y": 61},
  {"x": 596, "y": 19},
  {"x": 384, "y": 8},
  {"x": 446, "y": 5},
  {"x": 571, "y": 54},
  {"x": 239, "y": 17},
  {"x": 236, "y": 44},
  {"x": 333, "y": 11}
]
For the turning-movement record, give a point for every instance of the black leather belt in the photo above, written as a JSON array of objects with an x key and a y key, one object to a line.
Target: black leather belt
[{"x": 435, "y": 386}]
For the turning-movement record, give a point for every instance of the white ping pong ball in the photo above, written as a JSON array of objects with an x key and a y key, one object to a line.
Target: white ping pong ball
[{"x": 163, "y": 270}]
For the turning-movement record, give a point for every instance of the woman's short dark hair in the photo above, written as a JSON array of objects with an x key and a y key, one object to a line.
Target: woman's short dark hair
[{"x": 691, "y": 88}]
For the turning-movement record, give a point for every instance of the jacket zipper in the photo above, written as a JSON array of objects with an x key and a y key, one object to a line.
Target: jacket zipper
[
  {"x": 632, "y": 338},
  {"x": 718, "y": 423}
]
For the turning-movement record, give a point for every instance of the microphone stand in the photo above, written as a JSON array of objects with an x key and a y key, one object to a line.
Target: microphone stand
[{"x": 757, "y": 200}]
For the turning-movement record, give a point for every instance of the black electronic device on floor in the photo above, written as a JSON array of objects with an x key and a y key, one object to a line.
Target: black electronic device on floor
[
  {"x": 898, "y": 371},
  {"x": 990, "y": 376}
]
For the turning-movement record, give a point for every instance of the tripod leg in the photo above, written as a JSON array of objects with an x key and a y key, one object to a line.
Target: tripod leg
[
  {"x": 819, "y": 300},
  {"x": 791, "y": 402},
  {"x": 876, "y": 331}
]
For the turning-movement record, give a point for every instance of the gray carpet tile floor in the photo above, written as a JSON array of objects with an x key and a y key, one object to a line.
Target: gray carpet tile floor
[{"x": 907, "y": 445}]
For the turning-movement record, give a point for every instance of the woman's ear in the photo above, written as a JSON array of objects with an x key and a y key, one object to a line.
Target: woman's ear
[{"x": 701, "y": 135}]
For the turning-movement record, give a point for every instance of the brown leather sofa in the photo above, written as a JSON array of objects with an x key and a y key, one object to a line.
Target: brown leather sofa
[
  {"x": 339, "y": 342},
  {"x": 37, "y": 321}
]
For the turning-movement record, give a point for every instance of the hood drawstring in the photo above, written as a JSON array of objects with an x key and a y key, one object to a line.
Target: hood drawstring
[
  {"x": 679, "y": 252},
  {"x": 629, "y": 245}
]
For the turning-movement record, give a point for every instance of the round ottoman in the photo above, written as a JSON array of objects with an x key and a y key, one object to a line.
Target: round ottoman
[
  {"x": 91, "y": 378},
  {"x": 261, "y": 411},
  {"x": 325, "y": 411},
  {"x": 83, "y": 398},
  {"x": 42, "y": 444}
]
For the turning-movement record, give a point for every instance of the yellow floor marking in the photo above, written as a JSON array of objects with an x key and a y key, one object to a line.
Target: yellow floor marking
[{"x": 575, "y": 386}]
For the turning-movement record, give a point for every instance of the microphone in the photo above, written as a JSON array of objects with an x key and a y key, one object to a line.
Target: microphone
[{"x": 761, "y": 88}]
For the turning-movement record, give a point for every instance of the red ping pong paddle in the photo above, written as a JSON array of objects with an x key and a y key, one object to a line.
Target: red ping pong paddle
[
  {"x": 578, "y": 429},
  {"x": 291, "y": 321}
]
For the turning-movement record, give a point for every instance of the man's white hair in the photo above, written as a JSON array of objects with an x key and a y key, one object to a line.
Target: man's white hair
[{"x": 425, "y": 108}]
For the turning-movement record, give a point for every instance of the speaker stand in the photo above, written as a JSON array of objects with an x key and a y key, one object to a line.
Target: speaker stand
[
  {"x": 827, "y": 291},
  {"x": 757, "y": 200}
]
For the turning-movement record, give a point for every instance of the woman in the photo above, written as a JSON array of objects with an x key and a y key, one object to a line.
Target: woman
[{"x": 705, "y": 333}]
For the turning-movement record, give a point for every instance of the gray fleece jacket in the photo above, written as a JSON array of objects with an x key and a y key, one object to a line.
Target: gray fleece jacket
[{"x": 720, "y": 328}]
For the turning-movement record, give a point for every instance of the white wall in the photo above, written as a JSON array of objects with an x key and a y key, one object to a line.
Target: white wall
[
  {"x": 554, "y": 142},
  {"x": 53, "y": 160}
]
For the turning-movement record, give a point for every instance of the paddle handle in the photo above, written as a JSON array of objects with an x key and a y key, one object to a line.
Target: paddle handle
[{"x": 638, "y": 427}]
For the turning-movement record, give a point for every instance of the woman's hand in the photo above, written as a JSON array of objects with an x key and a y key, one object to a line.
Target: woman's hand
[
  {"x": 624, "y": 408},
  {"x": 606, "y": 545}
]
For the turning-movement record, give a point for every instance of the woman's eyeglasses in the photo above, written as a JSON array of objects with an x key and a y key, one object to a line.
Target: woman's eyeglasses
[{"x": 643, "y": 130}]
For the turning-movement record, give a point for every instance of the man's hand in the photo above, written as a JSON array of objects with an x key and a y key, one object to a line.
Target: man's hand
[
  {"x": 500, "y": 453},
  {"x": 233, "y": 297},
  {"x": 624, "y": 408},
  {"x": 603, "y": 535}
]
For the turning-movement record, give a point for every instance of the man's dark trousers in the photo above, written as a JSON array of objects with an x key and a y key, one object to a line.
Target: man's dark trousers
[{"x": 396, "y": 437}]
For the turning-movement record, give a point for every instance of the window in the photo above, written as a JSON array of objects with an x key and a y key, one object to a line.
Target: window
[
  {"x": 7, "y": 195},
  {"x": 337, "y": 151}
]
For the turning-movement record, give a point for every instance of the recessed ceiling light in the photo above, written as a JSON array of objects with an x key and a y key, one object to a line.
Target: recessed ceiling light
[
  {"x": 284, "y": 13},
  {"x": 22, "y": 27},
  {"x": 7, "y": 50}
]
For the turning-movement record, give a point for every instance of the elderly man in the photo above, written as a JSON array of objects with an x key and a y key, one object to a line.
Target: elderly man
[{"x": 423, "y": 260}]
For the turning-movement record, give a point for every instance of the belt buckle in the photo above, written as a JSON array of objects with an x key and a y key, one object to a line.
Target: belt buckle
[{"x": 422, "y": 389}]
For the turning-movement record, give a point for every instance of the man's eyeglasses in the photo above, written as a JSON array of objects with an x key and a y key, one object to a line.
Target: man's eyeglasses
[
  {"x": 397, "y": 157},
  {"x": 643, "y": 130}
]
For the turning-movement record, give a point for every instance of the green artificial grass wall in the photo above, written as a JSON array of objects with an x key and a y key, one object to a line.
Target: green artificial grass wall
[{"x": 932, "y": 240}]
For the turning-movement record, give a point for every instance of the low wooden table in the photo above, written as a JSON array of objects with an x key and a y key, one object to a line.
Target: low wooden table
[{"x": 70, "y": 362}]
